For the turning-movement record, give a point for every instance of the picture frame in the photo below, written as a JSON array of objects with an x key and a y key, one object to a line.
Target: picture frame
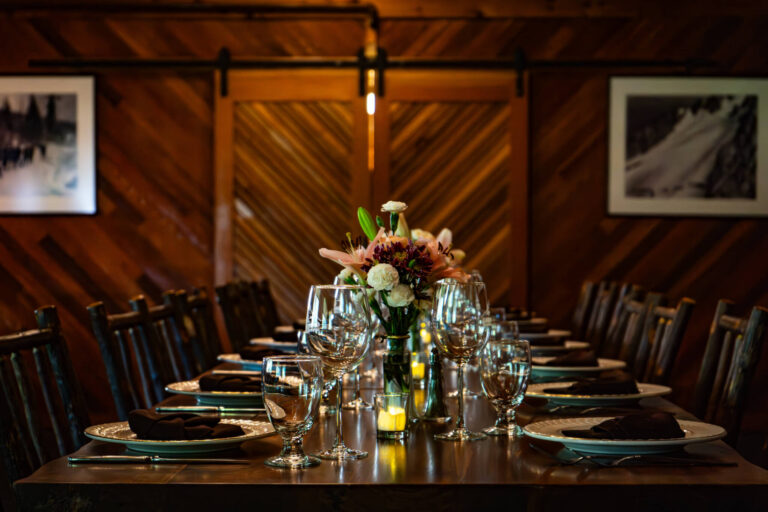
[
  {"x": 47, "y": 144},
  {"x": 688, "y": 146}
]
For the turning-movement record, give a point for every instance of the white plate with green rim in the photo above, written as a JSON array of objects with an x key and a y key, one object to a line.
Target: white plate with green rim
[
  {"x": 286, "y": 346},
  {"x": 568, "y": 346},
  {"x": 538, "y": 370},
  {"x": 120, "y": 433},
  {"x": 216, "y": 398},
  {"x": 552, "y": 430},
  {"x": 645, "y": 391},
  {"x": 247, "y": 364}
]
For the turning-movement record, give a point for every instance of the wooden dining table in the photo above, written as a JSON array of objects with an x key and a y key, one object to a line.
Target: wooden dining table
[{"x": 419, "y": 473}]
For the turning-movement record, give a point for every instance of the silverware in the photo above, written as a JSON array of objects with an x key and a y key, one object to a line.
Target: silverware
[
  {"x": 148, "y": 459},
  {"x": 216, "y": 410}
]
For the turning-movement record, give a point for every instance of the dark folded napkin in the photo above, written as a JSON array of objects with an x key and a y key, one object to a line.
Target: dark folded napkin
[
  {"x": 148, "y": 424},
  {"x": 644, "y": 425},
  {"x": 230, "y": 383},
  {"x": 614, "y": 382},
  {"x": 286, "y": 336},
  {"x": 257, "y": 353},
  {"x": 532, "y": 327},
  {"x": 299, "y": 325},
  {"x": 515, "y": 313},
  {"x": 574, "y": 358}
]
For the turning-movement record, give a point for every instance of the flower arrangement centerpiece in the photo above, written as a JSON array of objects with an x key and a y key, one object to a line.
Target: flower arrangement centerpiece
[{"x": 398, "y": 269}]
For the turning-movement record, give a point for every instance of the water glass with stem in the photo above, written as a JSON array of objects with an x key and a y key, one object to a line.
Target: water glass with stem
[
  {"x": 505, "y": 367},
  {"x": 457, "y": 320},
  {"x": 338, "y": 330},
  {"x": 291, "y": 388}
]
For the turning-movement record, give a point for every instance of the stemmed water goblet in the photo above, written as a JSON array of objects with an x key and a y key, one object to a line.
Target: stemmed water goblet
[
  {"x": 457, "y": 320},
  {"x": 291, "y": 388},
  {"x": 505, "y": 366},
  {"x": 488, "y": 321},
  {"x": 338, "y": 330}
]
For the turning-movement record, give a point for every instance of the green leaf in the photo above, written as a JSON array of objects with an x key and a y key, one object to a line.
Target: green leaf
[
  {"x": 366, "y": 222},
  {"x": 393, "y": 218},
  {"x": 379, "y": 222}
]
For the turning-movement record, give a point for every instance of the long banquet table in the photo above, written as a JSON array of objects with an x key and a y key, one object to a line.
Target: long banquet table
[{"x": 423, "y": 473}]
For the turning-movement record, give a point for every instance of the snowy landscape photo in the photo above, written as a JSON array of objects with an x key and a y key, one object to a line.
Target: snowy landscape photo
[
  {"x": 47, "y": 145},
  {"x": 688, "y": 146}
]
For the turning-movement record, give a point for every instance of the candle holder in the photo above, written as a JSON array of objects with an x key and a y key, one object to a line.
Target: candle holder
[{"x": 391, "y": 415}]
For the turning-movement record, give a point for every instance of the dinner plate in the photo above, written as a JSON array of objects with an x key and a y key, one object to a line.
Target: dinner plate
[
  {"x": 539, "y": 370},
  {"x": 285, "y": 346},
  {"x": 216, "y": 398},
  {"x": 247, "y": 364},
  {"x": 550, "y": 337},
  {"x": 546, "y": 350},
  {"x": 645, "y": 391},
  {"x": 552, "y": 430},
  {"x": 121, "y": 433}
]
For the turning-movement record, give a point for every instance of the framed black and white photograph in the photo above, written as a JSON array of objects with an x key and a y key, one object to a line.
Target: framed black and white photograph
[
  {"x": 688, "y": 146},
  {"x": 47, "y": 145}
]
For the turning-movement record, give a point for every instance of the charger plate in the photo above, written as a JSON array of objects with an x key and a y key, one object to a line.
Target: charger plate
[
  {"x": 247, "y": 364},
  {"x": 551, "y": 430},
  {"x": 121, "y": 433},
  {"x": 646, "y": 391},
  {"x": 540, "y": 371},
  {"x": 216, "y": 398}
]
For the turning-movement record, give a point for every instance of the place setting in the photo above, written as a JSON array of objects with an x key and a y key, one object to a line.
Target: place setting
[{"x": 572, "y": 364}]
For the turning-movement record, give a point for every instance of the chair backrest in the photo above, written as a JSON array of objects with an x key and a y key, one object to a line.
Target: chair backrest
[
  {"x": 729, "y": 364},
  {"x": 619, "y": 320},
  {"x": 243, "y": 317},
  {"x": 660, "y": 343},
  {"x": 40, "y": 395},
  {"x": 195, "y": 313},
  {"x": 601, "y": 313},
  {"x": 142, "y": 352},
  {"x": 583, "y": 309},
  {"x": 639, "y": 321},
  {"x": 266, "y": 304}
]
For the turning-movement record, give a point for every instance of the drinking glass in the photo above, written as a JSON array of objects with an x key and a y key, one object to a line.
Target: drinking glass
[
  {"x": 291, "y": 387},
  {"x": 338, "y": 331},
  {"x": 327, "y": 407},
  {"x": 457, "y": 322},
  {"x": 487, "y": 322},
  {"x": 505, "y": 366}
]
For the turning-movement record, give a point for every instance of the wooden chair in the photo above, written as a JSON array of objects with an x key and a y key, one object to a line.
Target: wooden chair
[
  {"x": 660, "y": 342},
  {"x": 266, "y": 304},
  {"x": 42, "y": 411},
  {"x": 243, "y": 318},
  {"x": 619, "y": 319},
  {"x": 638, "y": 321},
  {"x": 729, "y": 364},
  {"x": 583, "y": 309},
  {"x": 601, "y": 313},
  {"x": 195, "y": 313},
  {"x": 142, "y": 352}
]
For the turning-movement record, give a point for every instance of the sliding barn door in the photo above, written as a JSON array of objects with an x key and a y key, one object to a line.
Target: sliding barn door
[
  {"x": 290, "y": 173},
  {"x": 453, "y": 145}
]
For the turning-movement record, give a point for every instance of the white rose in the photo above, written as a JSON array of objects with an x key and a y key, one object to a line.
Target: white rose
[
  {"x": 458, "y": 256},
  {"x": 400, "y": 296},
  {"x": 393, "y": 207},
  {"x": 383, "y": 277},
  {"x": 422, "y": 234}
]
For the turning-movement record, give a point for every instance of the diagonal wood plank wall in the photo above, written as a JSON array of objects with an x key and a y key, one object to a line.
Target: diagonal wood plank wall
[{"x": 153, "y": 230}]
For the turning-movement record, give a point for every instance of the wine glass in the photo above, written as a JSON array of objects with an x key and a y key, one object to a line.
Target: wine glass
[
  {"x": 338, "y": 331},
  {"x": 329, "y": 381},
  {"x": 291, "y": 387},
  {"x": 505, "y": 366},
  {"x": 487, "y": 322},
  {"x": 457, "y": 322}
]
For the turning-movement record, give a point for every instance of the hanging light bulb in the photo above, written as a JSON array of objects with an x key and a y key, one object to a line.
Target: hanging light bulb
[{"x": 370, "y": 103}]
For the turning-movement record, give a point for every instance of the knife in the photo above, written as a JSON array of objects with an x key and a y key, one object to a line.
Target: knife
[
  {"x": 148, "y": 459},
  {"x": 197, "y": 409}
]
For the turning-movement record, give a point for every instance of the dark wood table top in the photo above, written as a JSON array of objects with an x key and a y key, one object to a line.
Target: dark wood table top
[{"x": 438, "y": 474}]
